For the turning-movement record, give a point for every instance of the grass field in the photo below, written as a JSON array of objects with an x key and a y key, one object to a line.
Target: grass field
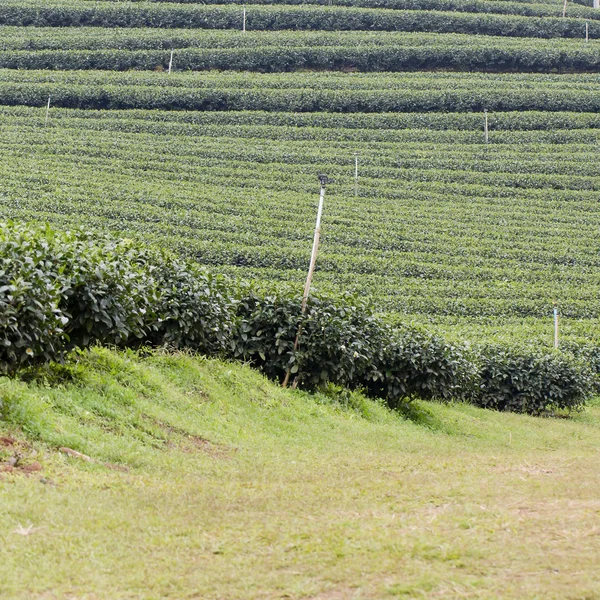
[{"x": 209, "y": 482}]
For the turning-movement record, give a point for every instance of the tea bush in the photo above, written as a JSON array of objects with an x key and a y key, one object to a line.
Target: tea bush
[{"x": 64, "y": 290}]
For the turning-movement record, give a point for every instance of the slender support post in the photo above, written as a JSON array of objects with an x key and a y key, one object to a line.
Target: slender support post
[
  {"x": 587, "y": 31},
  {"x": 556, "y": 317},
  {"x": 356, "y": 173},
  {"x": 244, "y": 21},
  {"x": 596, "y": 3},
  {"x": 311, "y": 269},
  {"x": 485, "y": 127},
  {"x": 171, "y": 62},
  {"x": 47, "y": 112},
  {"x": 565, "y": 9}
]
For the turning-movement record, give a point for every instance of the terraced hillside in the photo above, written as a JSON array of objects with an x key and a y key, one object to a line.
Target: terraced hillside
[{"x": 219, "y": 158}]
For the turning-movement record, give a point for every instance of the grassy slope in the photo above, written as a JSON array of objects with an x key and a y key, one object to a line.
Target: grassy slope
[{"x": 290, "y": 496}]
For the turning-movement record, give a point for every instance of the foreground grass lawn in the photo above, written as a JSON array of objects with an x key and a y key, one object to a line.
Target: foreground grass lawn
[{"x": 207, "y": 481}]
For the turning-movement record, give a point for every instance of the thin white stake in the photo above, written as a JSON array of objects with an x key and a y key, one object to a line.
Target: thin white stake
[
  {"x": 587, "y": 31},
  {"x": 356, "y": 173},
  {"x": 47, "y": 112},
  {"x": 565, "y": 8},
  {"x": 555, "y": 326},
  {"x": 311, "y": 270},
  {"x": 171, "y": 62},
  {"x": 596, "y": 3},
  {"x": 244, "y": 22},
  {"x": 485, "y": 126}
]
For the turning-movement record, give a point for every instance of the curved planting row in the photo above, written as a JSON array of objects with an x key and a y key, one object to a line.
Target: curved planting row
[{"x": 57, "y": 13}]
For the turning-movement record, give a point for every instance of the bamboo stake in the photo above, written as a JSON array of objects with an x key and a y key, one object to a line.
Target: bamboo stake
[
  {"x": 356, "y": 173},
  {"x": 47, "y": 112},
  {"x": 171, "y": 62},
  {"x": 485, "y": 128},
  {"x": 311, "y": 269},
  {"x": 556, "y": 318}
]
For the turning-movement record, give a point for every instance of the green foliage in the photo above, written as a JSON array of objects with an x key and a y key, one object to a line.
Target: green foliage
[
  {"x": 31, "y": 321},
  {"x": 195, "y": 308},
  {"x": 58, "y": 13},
  {"x": 530, "y": 382},
  {"x": 119, "y": 292}
]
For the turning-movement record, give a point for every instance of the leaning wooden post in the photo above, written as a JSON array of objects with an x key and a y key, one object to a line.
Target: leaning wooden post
[
  {"x": 47, "y": 112},
  {"x": 556, "y": 317},
  {"x": 171, "y": 62},
  {"x": 311, "y": 269}
]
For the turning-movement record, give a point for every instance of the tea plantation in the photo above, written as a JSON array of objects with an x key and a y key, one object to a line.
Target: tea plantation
[{"x": 218, "y": 159}]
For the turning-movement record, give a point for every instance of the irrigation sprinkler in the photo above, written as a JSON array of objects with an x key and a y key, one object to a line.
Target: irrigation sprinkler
[
  {"x": 171, "y": 62},
  {"x": 323, "y": 180},
  {"x": 47, "y": 112}
]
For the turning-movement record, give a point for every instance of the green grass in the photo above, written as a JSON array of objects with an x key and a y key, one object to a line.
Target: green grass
[{"x": 207, "y": 481}]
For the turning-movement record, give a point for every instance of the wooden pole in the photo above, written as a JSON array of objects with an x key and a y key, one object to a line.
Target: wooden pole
[
  {"x": 587, "y": 31},
  {"x": 356, "y": 173},
  {"x": 556, "y": 317},
  {"x": 47, "y": 112},
  {"x": 244, "y": 21},
  {"x": 565, "y": 9},
  {"x": 311, "y": 270},
  {"x": 485, "y": 126},
  {"x": 171, "y": 62}
]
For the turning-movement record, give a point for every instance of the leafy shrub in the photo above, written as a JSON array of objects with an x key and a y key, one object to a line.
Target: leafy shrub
[
  {"x": 107, "y": 296},
  {"x": 59, "y": 291},
  {"x": 530, "y": 382},
  {"x": 31, "y": 322},
  {"x": 416, "y": 364},
  {"x": 194, "y": 308}
]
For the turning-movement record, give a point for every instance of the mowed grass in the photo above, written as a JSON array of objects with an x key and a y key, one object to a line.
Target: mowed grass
[{"x": 207, "y": 481}]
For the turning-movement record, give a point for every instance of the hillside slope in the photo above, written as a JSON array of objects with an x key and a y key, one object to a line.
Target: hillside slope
[{"x": 207, "y": 481}]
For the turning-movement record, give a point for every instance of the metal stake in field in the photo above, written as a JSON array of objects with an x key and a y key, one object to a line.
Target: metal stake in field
[
  {"x": 356, "y": 173},
  {"x": 244, "y": 21},
  {"x": 485, "y": 126},
  {"x": 555, "y": 326},
  {"x": 324, "y": 180},
  {"x": 47, "y": 112},
  {"x": 171, "y": 62}
]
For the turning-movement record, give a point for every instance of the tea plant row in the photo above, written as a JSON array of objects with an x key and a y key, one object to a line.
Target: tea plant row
[{"x": 61, "y": 13}]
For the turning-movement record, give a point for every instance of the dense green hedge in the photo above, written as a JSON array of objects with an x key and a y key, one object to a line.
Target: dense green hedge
[
  {"x": 296, "y": 100},
  {"x": 276, "y": 59},
  {"x": 58, "y": 291},
  {"x": 107, "y": 14},
  {"x": 503, "y": 7}
]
